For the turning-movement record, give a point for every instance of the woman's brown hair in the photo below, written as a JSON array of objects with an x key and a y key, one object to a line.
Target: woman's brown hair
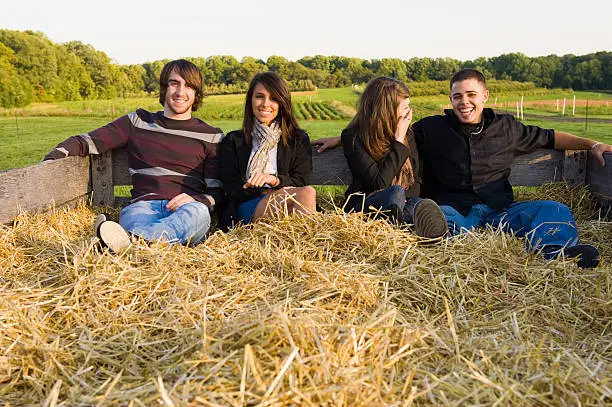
[
  {"x": 376, "y": 119},
  {"x": 279, "y": 91}
]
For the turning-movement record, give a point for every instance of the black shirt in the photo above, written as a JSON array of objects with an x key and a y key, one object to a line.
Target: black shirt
[
  {"x": 370, "y": 175},
  {"x": 462, "y": 170}
]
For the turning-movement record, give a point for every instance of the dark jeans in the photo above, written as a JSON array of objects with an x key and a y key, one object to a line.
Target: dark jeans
[{"x": 384, "y": 200}]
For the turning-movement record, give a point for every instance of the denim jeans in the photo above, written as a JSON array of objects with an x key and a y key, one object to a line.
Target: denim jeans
[
  {"x": 383, "y": 200},
  {"x": 246, "y": 209},
  {"x": 540, "y": 222},
  {"x": 152, "y": 221}
]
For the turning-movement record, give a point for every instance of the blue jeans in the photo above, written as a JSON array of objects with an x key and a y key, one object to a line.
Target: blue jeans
[
  {"x": 383, "y": 200},
  {"x": 540, "y": 222},
  {"x": 152, "y": 221}
]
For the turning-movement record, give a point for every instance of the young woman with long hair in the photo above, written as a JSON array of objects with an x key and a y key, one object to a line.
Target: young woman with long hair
[
  {"x": 381, "y": 152},
  {"x": 266, "y": 165}
]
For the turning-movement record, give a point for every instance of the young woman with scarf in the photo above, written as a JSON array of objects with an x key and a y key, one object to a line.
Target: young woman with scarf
[
  {"x": 381, "y": 152},
  {"x": 266, "y": 166}
]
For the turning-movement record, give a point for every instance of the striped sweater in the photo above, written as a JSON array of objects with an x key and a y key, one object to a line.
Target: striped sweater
[{"x": 166, "y": 157}]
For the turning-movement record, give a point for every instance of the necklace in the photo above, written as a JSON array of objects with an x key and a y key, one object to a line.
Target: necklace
[{"x": 478, "y": 129}]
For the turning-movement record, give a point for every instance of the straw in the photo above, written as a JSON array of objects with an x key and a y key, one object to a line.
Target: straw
[{"x": 326, "y": 309}]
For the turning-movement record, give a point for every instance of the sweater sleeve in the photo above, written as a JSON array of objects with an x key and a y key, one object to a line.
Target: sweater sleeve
[
  {"x": 372, "y": 174},
  {"x": 109, "y": 137},
  {"x": 213, "y": 193}
]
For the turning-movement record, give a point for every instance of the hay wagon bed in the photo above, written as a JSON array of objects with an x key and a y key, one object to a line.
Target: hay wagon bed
[
  {"x": 63, "y": 181},
  {"x": 330, "y": 309}
]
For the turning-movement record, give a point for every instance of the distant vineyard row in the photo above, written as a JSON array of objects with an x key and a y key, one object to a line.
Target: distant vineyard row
[
  {"x": 303, "y": 111},
  {"x": 208, "y": 111}
]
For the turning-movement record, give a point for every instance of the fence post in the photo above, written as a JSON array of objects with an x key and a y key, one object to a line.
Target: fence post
[
  {"x": 563, "y": 110},
  {"x": 574, "y": 167},
  {"x": 102, "y": 179}
]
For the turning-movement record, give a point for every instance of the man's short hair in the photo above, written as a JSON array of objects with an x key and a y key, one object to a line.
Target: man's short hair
[
  {"x": 468, "y": 73},
  {"x": 189, "y": 72}
]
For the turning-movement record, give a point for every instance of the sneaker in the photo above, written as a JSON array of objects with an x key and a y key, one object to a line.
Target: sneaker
[
  {"x": 429, "y": 221},
  {"x": 113, "y": 236},
  {"x": 588, "y": 254},
  {"x": 99, "y": 219}
]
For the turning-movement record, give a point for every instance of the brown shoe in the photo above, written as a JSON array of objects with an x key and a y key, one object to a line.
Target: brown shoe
[{"x": 429, "y": 221}]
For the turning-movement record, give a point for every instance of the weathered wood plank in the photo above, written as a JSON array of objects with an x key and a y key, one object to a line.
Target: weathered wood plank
[
  {"x": 599, "y": 181},
  {"x": 537, "y": 168},
  {"x": 542, "y": 166},
  {"x": 102, "y": 179},
  {"x": 121, "y": 174},
  {"x": 330, "y": 168},
  {"x": 37, "y": 187},
  {"x": 574, "y": 167}
]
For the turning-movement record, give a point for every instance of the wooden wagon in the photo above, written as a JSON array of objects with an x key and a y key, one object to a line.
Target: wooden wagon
[{"x": 93, "y": 178}]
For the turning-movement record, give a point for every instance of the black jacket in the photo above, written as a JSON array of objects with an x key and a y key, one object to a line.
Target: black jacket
[
  {"x": 462, "y": 171},
  {"x": 294, "y": 166},
  {"x": 369, "y": 175}
]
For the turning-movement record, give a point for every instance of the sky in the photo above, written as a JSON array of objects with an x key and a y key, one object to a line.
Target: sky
[{"x": 134, "y": 32}]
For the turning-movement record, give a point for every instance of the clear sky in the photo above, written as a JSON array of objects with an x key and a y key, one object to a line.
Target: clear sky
[{"x": 138, "y": 31}]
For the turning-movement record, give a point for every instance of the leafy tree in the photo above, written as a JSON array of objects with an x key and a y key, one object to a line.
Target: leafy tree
[
  {"x": 249, "y": 66},
  {"x": 35, "y": 59},
  {"x": 278, "y": 64},
  {"x": 74, "y": 81},
  {"x": 15, "y": 90},
  {"x": 442, "y": 69},
  {"x": 357, "y": 72},
  {"x": 151, "y": 75},
  {"x": 418, "y": 69},
  {"x": 129, "y": 79},
  {"x": 98, "y": 66}
]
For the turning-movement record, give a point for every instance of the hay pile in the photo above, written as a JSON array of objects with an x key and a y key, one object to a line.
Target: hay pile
[{"x": 328, "y": 310}]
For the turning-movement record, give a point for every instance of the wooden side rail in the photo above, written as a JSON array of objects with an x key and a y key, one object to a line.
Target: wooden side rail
[
  {"x": 58, "y": 182},
  {"x": 330, "y": 168},
  {"x": 599, "y": 181},
  {"x": 40, "y": 186}
]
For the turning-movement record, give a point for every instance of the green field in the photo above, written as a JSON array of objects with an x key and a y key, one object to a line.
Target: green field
[{"x": 35, "y": 130}]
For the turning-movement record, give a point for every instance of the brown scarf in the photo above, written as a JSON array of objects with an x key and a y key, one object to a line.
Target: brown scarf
[{"x": 405, "y": 177}]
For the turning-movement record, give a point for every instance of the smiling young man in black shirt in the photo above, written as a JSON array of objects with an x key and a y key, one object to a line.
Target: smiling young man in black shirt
[{"x": 467, "y": 155}]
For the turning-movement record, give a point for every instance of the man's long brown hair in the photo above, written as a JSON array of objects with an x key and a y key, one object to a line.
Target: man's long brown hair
[
  {"x": 189, "y": 72},
  {"x": 279, "y": 91}
]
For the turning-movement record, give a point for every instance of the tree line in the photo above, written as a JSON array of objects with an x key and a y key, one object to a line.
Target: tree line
[{"x": 33, "y": 68}]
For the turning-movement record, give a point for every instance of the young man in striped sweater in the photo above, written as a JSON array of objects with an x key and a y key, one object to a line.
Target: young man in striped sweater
[{"x": 172, "y": 159}]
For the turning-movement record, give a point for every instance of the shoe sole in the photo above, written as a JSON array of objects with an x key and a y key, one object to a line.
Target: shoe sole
[
  {"x": 101, "y": 218},
  {"x": 113, "y": 236},
  {"x": 429, "y": 221}
]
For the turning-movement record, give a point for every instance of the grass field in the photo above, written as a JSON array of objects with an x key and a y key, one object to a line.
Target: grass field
[{"x": 25, "y": 139}]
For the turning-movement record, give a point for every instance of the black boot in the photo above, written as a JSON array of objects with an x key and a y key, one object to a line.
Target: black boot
[{"x": 588, "y": 254}]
